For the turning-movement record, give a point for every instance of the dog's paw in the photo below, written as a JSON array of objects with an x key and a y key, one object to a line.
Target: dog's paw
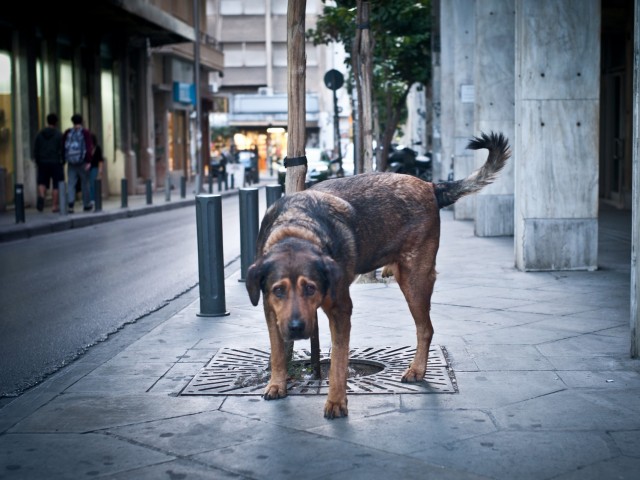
[
  {"x": 411, "y": 375},
  {"x": 387, "y": 271},
  {"x": 274, "y": 391},
  {"x": 335, "y": 409}
]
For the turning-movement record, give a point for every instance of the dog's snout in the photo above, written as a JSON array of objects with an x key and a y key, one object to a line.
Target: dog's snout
[{"x": 296, "y": 329}]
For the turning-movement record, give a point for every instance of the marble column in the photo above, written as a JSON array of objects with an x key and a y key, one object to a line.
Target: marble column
[
  {"x": 494, "y": 109},
  {"x": 463, "y": 81},
  {"x": 557, "y": 91},
  {"x": 447, "y": 91}
]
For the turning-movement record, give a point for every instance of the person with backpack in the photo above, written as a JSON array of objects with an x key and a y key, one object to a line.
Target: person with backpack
[
  {"x": 47, "y": 153},
  {"x": 77, "y": 147}
]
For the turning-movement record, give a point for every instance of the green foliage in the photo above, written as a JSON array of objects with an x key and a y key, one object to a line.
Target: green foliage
[
  {"x": 220, "y": 136},
  {"x": 401, "y": 31}
]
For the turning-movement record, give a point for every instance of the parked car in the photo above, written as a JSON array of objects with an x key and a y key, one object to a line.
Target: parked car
[
  {"x": 318, "y": 167},
  {"x": 249, "y": 158}
]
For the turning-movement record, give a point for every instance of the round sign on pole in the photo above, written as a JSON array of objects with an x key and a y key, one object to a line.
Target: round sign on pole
[{"x": 333, "y": 79}]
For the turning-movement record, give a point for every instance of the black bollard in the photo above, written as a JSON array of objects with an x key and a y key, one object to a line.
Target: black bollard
[
  {"x": 232, "y": 182},
  {"x": 19, "y": 202},
  {"x": 183, "y": 187},
  {"x": 274, "y": 192},
  {"x": 124, "y": 193},
  {"x": 149, "y": 192},
  {"x": 248, "y": 229},
  {"x": 210, "y": 256},
  {"x": 210, "y": 182},
  {"x": 97, "y": 188},
  {"x": 62, "y": 197},
  {"x": 167, "y": 189}
]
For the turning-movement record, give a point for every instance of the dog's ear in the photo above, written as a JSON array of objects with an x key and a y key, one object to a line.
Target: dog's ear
[
  {"x": 255, "y": 276},
  {"x": 333, "y": 275}
]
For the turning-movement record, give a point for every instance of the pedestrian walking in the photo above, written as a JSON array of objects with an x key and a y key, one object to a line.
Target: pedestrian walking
[
  {"x": 78, "y": 146},
  {"x": 47, "y": 153}
]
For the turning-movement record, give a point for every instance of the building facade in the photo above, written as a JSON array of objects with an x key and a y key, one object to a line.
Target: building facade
[
  {"x": 254, "y": 38},
  {"x": 120, "y": 68},
  {"x": 559, "y": 79}
]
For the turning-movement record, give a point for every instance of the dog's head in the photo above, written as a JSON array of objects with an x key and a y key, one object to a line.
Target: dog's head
[{"x": 295, "y": 278}]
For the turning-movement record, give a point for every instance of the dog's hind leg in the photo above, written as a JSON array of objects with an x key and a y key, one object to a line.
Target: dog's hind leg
[{"x": 416, "y": 280}]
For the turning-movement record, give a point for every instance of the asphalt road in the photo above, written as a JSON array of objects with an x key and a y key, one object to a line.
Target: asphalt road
[{"x": 63, "y": 292}]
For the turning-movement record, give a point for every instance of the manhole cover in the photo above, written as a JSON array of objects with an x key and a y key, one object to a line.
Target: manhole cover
[{"x": 235, "y": 371}]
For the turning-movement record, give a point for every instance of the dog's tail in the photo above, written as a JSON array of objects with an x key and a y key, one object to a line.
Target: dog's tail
[{"x": 447, "y": 193}]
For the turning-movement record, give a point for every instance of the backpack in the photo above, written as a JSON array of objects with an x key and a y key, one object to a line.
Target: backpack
[{"x": 75, "y": 148}]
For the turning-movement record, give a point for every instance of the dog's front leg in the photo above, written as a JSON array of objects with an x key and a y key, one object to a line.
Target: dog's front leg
[
  {"x": 277, "y": 386},
  {"x": 336, "y": 404}
]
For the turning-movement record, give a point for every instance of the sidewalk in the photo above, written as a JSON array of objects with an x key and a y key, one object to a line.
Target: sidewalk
[
  {"x": 40, "y": 223},
  {"x": 546, "y": 387}
]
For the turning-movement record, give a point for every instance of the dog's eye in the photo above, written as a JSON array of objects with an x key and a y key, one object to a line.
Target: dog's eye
[
  {"x": 309, "y": 290},
  {"x": 279, "y": 292}
]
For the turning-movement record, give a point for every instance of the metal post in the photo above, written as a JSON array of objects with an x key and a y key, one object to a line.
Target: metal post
[
  {"x": 198, "y": 105},
  {"x": 274, "y": 192},
  {"x": 248, "y": 229},
  {"x": 149, "y": 192},
  {"x": 97, "y": 188},
  {"x": 233, "y": 179},
  {"x": 167, "y": 188},
  {"x": 210, "y": 256},
  {"x": 62, "y": 197},
  {"x": 183, "y": 187},
  {"x": 210, "y": 179},
  {"x": 19, "y": 203},
  {"x": 124, "y": 197}
]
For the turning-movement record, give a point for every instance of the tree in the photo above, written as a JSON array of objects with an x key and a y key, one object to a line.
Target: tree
[{"x": 401, "y": 31}]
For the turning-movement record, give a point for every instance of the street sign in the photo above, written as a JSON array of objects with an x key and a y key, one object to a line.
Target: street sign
[{"x": 333, "y": 79}]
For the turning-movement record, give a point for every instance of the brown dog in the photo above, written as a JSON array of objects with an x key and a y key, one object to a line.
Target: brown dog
[{"x": 312, "y": 244}]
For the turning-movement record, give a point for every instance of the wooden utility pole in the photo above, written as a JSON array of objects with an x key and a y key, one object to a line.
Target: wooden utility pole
[
  {"x": 296, "y": 161},
  {"x": 296, "y": 70},
  {"x": 363, "y": 48}
]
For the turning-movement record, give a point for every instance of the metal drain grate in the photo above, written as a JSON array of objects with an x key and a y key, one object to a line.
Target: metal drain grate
[{"x": 235, "y": 371}]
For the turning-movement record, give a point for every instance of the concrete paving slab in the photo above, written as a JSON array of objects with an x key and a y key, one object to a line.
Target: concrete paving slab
[
  {"x": 522, "y": 455},
  {"x": 488, "y": 390},
  {"x": 307, "y": 412},
  {"x": 628, "y": 442},
  {"x": 177, "y": 470},
  {"x": 569, "y": 410},
  {"x": 593, "y": 362},
  {"x": 602, "y": 379},
  {"x": 304, "y": 455},
  {"x": 197, "y": 433},
  {"x": 599, "y": 322},
  {"x": 620, "y": 468},
  {"x": 76, "y": 413},
  {"x": 395, "y": 431},
  {"x": 176, "y": 378},
  {"x": 521, "y": 357},
  {"x": 585, "y": 345},
  {"x": 71, "y": 456}
]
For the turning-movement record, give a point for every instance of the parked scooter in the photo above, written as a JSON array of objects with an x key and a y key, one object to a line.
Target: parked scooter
[{"x": 407, "y": 161}]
